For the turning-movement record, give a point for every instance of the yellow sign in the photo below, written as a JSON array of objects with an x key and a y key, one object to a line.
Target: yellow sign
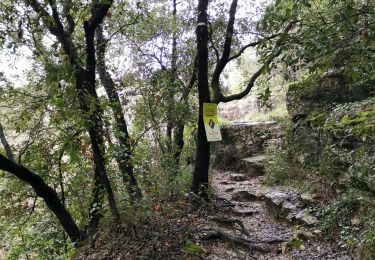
[{"x": 211, "y": 123}]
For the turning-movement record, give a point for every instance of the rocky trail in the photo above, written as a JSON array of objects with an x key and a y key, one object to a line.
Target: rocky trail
[{"x": 259, "y": 222}]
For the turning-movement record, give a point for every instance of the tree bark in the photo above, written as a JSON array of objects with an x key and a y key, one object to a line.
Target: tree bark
[
  {"x": 200, "y": 175},
  {"x": 173, "y": 76},
  {"x": 124, "y": 153},
  {"x": 48, "y": 194},
  {"x": 96, "y": 128},
  {"x": 180, "y": 124},
  {"x": 86, "y": 92}
]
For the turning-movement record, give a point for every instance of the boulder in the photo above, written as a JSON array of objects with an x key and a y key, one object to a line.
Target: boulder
[{"x": 253, "y": 166}]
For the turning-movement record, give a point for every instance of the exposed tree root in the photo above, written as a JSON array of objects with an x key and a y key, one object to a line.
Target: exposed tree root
[
  {"x": 218, "y": 234},
  {"x": 233, "y": 221}
]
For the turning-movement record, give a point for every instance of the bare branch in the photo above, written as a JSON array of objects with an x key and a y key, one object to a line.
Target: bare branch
[
  {"x": 275, "y": 53},
  {"x": 223, "y": 61},
  {"x": 252, "y": 44},
  {"x": 122, "y": 27}
]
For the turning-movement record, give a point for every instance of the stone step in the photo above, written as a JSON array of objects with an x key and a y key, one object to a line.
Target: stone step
[
  {"x": 284, "y": 205},
  {"x": 253, "y": 166}
]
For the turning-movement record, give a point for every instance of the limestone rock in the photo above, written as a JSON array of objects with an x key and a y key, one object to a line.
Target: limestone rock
[
  {"x": 306, "y": 218},
  {"x": 238, "y": 177},
  {"x": 243, "y": 196},
  {"x": 308, "y": 198}
]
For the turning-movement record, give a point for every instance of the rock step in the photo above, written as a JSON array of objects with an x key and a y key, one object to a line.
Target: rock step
[
  {"x": 253, "y": 166},
  {"x": 290, "y": 206}
]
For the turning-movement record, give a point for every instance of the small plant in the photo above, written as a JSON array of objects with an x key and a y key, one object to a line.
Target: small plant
[
  {"x": 367, "y": 250},
  {"x": 193, "y": 249}
]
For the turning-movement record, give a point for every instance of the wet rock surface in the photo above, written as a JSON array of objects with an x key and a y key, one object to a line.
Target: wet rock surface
[
  {"x": 268, "y": 214},
  {"x": 278, "y": 220},
  {"x": 243, "y": 145}
]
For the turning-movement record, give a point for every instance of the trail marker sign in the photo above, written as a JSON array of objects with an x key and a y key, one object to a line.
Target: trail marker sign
[{"x": 211, "y": 122}]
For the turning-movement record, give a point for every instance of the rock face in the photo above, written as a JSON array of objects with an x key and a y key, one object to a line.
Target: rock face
[
  {"x": 314, "y": 93},
  {"x": 242, "y": 143},
  {"x": 332, "y": 120}
]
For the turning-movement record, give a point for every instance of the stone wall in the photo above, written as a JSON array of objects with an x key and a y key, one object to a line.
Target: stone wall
[{"x": 243, "y": 140}]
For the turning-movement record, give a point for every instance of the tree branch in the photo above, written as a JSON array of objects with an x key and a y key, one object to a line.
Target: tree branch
[
  {"x": 223, "y": 61},
  {"x": 252, "y": 44},
  {"x": 44, "y": 191},
  {"x": 68, "y": 16},
  {"x": 275, "y": 53},
  {"x": 6, "y": 145},
  {"x": 213, "y": 44},
  {"x": 100, "y": 11},
  {"x": 192, "y": 80}
]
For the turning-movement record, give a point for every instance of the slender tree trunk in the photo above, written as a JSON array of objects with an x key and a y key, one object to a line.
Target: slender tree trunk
[
  {"x": 61, "y": 177},
  {"x": 173, "y": 77},
  {"x": 48, "y": 194},
  {"x": 96, "y": 128},
  {"x": 178, "y": 141},
  {"x": 86, "y": 92},
  {"x": 124, "y": 153},
  {"x": 200, "y": 175},
  {"x": 6, "y": 145},
  {"x": 180, "y": 124},
  {"x": 101, "y": 183}
]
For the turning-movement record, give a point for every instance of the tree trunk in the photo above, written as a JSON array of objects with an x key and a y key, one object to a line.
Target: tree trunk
[
  {"x": 180, "y": 124},
  {"x": 48, "y": 194},
  {"x": 178, "y": 141},
  {"x": 124, "y": 152},
  {"x": 200, "y": 175},
  {"x": 173, "y": 77},
  {"x": 86, "y": 92},
  {"x": 96, "y": 131}
]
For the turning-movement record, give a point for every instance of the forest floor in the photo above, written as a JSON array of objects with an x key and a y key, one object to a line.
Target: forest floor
[
  {"x": 237, "y": 224},
  {"x": 244, "y": 220}
]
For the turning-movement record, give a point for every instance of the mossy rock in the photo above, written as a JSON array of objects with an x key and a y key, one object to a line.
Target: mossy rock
[
  {"x": 316, "y": 92},
  {"x": 356, "y": 118}
]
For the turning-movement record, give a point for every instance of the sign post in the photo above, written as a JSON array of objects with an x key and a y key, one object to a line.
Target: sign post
[{"x": 211, "y": 122}]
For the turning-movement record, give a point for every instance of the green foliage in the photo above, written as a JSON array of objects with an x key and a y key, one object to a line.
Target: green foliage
[
  {"x": 357, "y": 119},
  {"x": 330, "y": 34},
  {"x": 317, "y": 119},
  {"x": 367, "y": 249},
  {"x": 193, "y": 249},
  {"x": 351, "y": 219}
]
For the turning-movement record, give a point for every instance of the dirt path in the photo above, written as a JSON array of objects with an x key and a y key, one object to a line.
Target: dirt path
[{"x": 244, "y": 199}]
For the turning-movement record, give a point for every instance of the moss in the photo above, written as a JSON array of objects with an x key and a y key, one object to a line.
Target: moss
[
  {"x": 317, "y": 119},
  {"x": 295, "y": 243},
  {"x": 357, "y": 119},
  {"x": 367, "y": 250},
  {"x": 193, "y": 249},
  {"x": 307, "y": 86}
]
